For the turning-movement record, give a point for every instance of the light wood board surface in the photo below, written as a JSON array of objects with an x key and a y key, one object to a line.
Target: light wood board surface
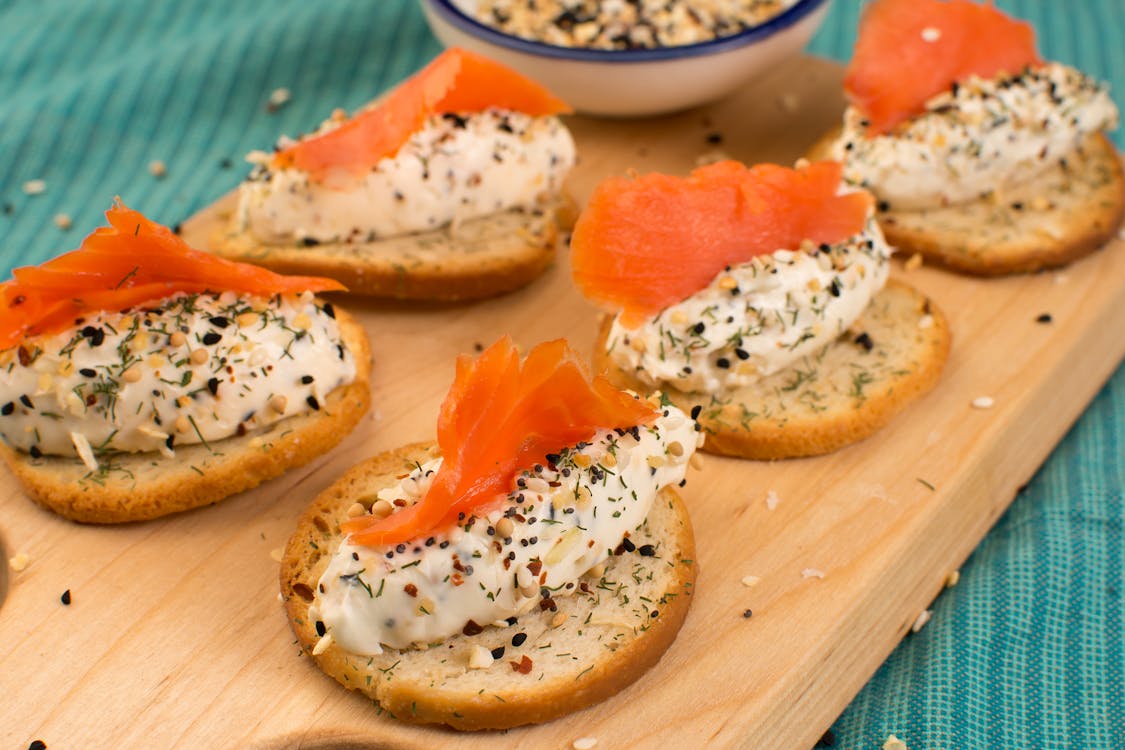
[{"x": 175, "y": 636}]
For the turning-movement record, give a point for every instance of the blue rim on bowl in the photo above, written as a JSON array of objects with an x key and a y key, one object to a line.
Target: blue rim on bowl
[{"x": 456, "y": 17}]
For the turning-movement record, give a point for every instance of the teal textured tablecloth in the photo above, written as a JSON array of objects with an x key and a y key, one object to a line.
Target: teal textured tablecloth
[{"x": 1026, "y": 652}]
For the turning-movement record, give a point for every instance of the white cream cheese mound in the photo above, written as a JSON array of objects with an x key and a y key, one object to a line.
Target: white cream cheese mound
[
  {"x": 558, "y": 522},
  {"x": 981, "y": 136},
  {"x": 454, "y": 169},
  {"x": 756, "y": 318},
  {"x": 190, "y": 368}
]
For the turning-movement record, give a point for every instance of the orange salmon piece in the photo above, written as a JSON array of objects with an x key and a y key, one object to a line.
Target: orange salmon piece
[
  {"x": 455, "y": 81},
  {"x": 908, "y": 51},
  {"x": 644, "y": 243},
  {"x": 499, "y": 417},
  {"x": 130, "y": 262}
]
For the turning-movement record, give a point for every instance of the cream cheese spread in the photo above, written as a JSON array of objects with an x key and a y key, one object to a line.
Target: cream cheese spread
[
  {"x": 558, "y": 522},
  {"x": 981, "y": 136},
  {"x": 191, "y": 368},
  {"x": 756, "y": 318},
  {"x": 453, "y": 169}
]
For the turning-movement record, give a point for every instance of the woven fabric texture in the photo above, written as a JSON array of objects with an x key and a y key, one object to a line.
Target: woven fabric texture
[{"x": 1026, "y": 652}]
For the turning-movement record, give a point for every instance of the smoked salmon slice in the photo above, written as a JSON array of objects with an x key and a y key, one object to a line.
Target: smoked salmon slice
[
  {"x": 908, "y": 51},
  {"x": 644, "y": 243},
  {"x": 455, "y": 81},
  {"x": 499, "y": 417},
  {"x": 130, "y": 262}
]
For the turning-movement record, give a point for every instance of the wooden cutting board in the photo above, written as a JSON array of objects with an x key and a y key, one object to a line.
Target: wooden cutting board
[{"x": 175, "y": 636}]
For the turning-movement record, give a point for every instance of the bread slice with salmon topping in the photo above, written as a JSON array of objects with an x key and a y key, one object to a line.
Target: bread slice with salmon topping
[{"x": 536, "y": 667}]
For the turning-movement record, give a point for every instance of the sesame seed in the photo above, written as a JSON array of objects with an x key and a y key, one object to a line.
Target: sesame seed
[
  {"x": 696, "y": 461},
  {"x": 355, "y": 510},
  {"x": 34, "y": 187},
  {"x": 894, "y": 743},
  {"x": 279, "y": 97},
  {"x": 812, "y": 573},
  {"x": 558, "y": 620},
  {"x": 926, "y": 321},
  {"x": 913, "y": 263},
  {"x": 749, "y": 581},
  {"x": 62, "y": 221},
  {"x": 157, "y": 168},
  {"x": 584, "y": 743},
  {"x": 322, "y": 645},
  {"x": 381, "y": 508},
  {"x": 19, "y": 562},
  {"x": 278, "y": 403},
  {"x": 952, "y": 579},
  {"x": 276, "y": 554},
  {"x": 983, "y": 402},
  {"x": 132, "y": 375},
  {"x": 931, "y": 34},
  {"x": 772, "y": 500}
]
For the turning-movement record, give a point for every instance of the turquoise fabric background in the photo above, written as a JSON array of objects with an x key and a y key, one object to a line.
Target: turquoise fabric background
[{"x": 1026, "y": 652}]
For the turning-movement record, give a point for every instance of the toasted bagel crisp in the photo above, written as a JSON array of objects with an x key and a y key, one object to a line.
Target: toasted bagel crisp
[
  {"x": 1060, "y": 216},
  {"x": 142, "y": 486},
  {"x": 479, "y": 258},
  {"x": 826, "y": 401},
  {"x": 601, "y": 645}
]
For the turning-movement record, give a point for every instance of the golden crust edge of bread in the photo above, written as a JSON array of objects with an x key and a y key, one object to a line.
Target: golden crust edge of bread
[
  {"x": 529, "y": 253},
  {"x": 772, "y": 439},
  {"x": 309, "y": 436},
  {"x": 419, "y": 705},
  {"x": 1027, "y": 253}
]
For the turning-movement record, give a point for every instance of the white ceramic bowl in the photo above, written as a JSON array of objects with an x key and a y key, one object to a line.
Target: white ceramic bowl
[{"x": 629, "y": 83}]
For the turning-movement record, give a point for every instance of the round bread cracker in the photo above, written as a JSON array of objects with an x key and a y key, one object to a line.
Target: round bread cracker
[
  {"x": 889, "y": 357},
  {"x": 1065, "y": 213},
  {"x": 479, "y": 258},
  {"x": 592, "y": 647},
  {"x": 142, "y": 486}
]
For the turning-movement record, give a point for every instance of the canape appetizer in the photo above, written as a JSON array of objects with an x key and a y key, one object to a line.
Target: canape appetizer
[
  {"x": 139, "y": 377},
  {"x": 983, "y": 157},
  {"x": 755, "y": 299},
  {"x": 449, "y": 187},
  {"x": 534, "y": 561}
]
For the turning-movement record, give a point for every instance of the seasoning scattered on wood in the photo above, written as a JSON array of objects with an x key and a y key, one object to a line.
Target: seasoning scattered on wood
[
  {"x": 19, "y": 562},
  {"x": 747, "y": 613},
  {"x": 37, "y": 745},
  {"x": 749, "y": 581},
  {"x": 952, "y": 579},
  {"x": 983, "y": 402},
  {"x": 34, "y": 187},
  {"x": 921, "y": 620},
  {"x": 65, "y": 598},
  {"x": 772, "y": 500},
  {"x": 812, "y": 573},
  {"x": 1044, "y": 318},
  {"x": 584, "y": 743}
]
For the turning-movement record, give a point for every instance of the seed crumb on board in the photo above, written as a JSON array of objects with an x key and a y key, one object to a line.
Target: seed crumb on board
[
  {"x": 65, "y": 598},
  {"x": 772, "y": 500},
  {"x": 926, "y": 321},
  {"x": 749, "y": 581},
  {"x": 34, "y": 187},
  {"x": 584, "y": 743},
  {"x": 1044, "y": 318},
  {"x": 812, "y": 573},
  {"x": 983, "y": 402},
  {"x": 62, "y": 221},
  {"x": 913, "y": 263},
  {"x": 952, "y": 579},
  {"x": 276, "y": 554},
  {"x": 19, "y": 562},
  {"x": 921, "y": 620}
]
